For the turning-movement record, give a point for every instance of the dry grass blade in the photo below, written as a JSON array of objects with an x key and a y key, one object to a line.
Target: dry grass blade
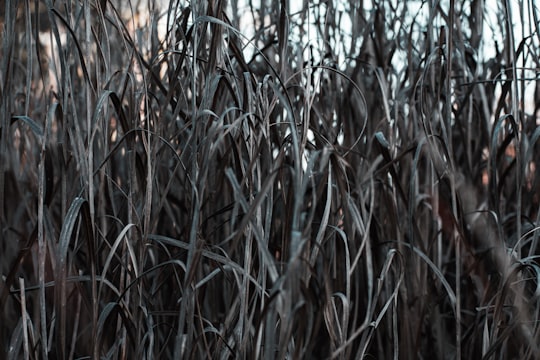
[
  {"x": 78, "y": 210},
  {"x": 24, "y": 313}
]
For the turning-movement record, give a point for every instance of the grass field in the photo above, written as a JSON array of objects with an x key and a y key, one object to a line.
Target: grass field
[{"x": 214, "y": 179}]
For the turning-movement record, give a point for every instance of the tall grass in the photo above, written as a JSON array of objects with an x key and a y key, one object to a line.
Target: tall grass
[{"x": 227, "y": 180}]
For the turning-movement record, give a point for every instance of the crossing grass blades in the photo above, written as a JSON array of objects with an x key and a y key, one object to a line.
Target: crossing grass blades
[{"x": 214, "y": 179}]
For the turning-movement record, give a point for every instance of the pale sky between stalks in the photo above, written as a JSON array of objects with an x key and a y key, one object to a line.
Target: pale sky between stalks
[
  {"x": 492, "y": 35},
  {"x": 519, "y": 19}
]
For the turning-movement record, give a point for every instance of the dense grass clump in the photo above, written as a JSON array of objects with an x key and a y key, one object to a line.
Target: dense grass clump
[{"x": 214, "y": 179}]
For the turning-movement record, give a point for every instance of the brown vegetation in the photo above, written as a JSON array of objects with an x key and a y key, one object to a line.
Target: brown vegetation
[{"x": 343, "y": 181}]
